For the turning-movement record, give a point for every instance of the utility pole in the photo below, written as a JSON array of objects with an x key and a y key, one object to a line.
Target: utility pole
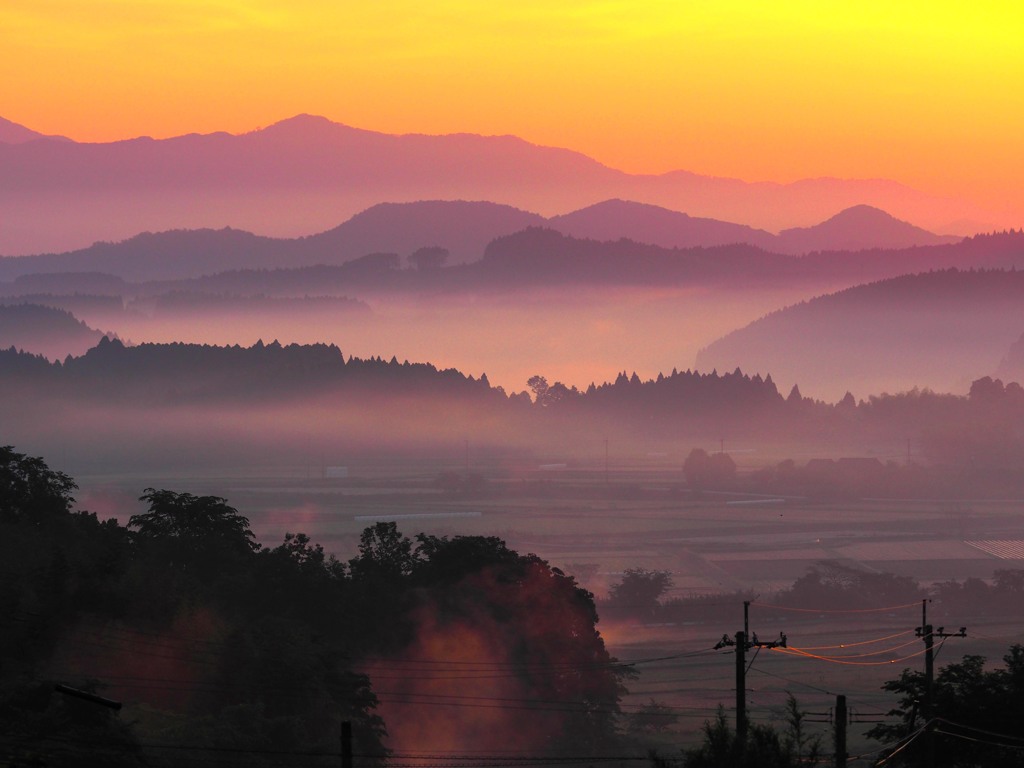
[
  {"x": 926, "y": 633},
  {"x": 744, "y": 642},
  {"x": 840, "y": 732},
  {"x": 741, "y": 689},
  {"x": 346, "y": 744}
]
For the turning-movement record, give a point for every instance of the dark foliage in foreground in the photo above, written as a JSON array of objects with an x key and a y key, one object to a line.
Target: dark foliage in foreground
[
  {"x": 221, "y": 647},
  {"x": 975, "y": 719}
]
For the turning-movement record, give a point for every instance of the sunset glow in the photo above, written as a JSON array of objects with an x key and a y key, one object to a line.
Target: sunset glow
[{"x": 923, "y": 93}]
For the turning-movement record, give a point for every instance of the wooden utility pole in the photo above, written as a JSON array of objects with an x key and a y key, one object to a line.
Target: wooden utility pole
[
  {"x": 346, "y": 744},
  {"x": 745, "y": 641},
  {"x": 741, "y": 689},
  {"x": 926, "y": 633},
  {"x": 840, "y": 731}
]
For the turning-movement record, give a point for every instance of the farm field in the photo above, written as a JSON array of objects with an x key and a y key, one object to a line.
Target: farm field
[{"x": 596, "y": 526}]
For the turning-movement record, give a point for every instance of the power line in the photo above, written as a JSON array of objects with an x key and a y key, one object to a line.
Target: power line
[
  {"x": 879, "y": 652},
  {"x": 836, "y": 610},
  {"x": 906, "y": 742},
  {"x": 858, "y": 643},
  {"x": 1019, "y": 739},
  {"x": 835, "y": 660}
]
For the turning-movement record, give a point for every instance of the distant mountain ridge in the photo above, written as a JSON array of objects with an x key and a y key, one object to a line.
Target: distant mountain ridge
[
  {"x": 861, "y": 227},
  {"x": 15, "y": 133},
  {"x": 465, "y": 228},
  {"x": 306, "y": 173},
  {"x": 644, "y": 223}
]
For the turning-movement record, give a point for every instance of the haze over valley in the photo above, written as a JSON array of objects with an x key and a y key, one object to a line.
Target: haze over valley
[{"x": 592, "y": 385}]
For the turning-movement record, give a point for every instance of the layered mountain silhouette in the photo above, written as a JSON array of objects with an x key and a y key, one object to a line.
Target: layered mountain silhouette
[
  {"x": 306, "y": 173},
  {"x": 538, "y": 257},
  {"x": 460, "y": 227},
  {"x": 465, "y": 229},
  {"x": 861, "y": 227},
  {"x": 936, "y": 329}
]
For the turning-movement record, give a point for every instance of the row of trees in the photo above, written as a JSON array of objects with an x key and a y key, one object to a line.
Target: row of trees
[{"x": 225, "y": 646}]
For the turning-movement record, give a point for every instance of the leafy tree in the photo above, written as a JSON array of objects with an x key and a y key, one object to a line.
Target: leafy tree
[
  {"x": 977, "y": 714},
  {"x": 703, "y": 470},
  {"x": 539, "y": 386},
  {"x": 29, "y": 489},
  {"x": 428, "y": 258},
  {"x": 638, "y": 592},
  {"x": 532, "y": 621},
  {"x": 837, "y": 584},
  {"x": 192, "y": 521},
  {"x": 384, "y": 554}
]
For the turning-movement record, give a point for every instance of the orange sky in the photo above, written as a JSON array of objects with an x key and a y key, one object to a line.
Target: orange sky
[{"x": 927, "y": 93}]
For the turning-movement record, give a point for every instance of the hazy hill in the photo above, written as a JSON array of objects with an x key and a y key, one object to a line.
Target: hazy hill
[
  {"x": 861, "y": 227},
  {"x": 160, "y": 255},
  {"x": 306, "y": 173},
  {"x": 463, "y": 228},
  {"x": 936, "y": 329},
  {"x": 232, "y": 261},
  {"x": 615, "y": 219},
  {"x": 41, "y": 330}
]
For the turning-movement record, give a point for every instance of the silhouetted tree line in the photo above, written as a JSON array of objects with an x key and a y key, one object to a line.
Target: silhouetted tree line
[
  {"x": 971, "y": 444},
  {"x": 230, "y": 648},
  {"x": 177, "y": 371},
  {"x": 640, "y": 595}
]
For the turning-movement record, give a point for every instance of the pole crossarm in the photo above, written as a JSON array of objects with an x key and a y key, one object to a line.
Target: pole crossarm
[{"x": 753, "y": 642}]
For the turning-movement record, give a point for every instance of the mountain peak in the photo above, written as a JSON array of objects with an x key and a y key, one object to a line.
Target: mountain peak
[
  {"x": 646, "y": 223},
  {"x": 305, "y": 126},
  {"x": 864, "y": 213},
  {"x": 859, "y": 227}
]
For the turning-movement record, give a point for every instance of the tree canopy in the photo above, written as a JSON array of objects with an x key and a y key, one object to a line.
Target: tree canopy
[
  {"x": 232, "y": 647},
  {"x": 30, "y": 489},
  {"x": 977, "y": 712},
  {"x": 192, "y": 523}
]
